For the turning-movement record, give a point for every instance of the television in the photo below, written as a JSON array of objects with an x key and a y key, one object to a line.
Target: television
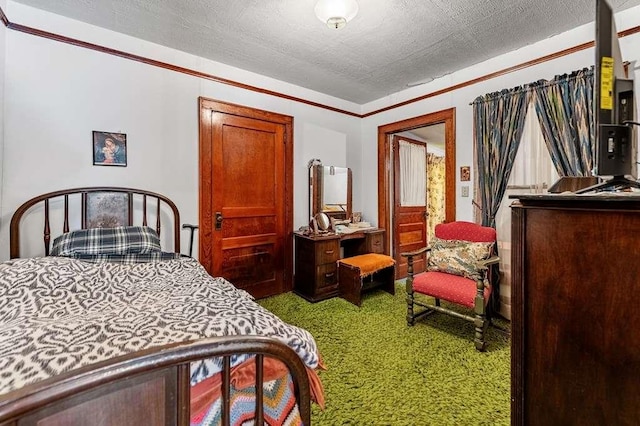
[{"x": 614, "y": 109}]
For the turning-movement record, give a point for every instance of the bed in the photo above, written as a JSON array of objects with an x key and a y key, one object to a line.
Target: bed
[{"x": 104, "y": 327}]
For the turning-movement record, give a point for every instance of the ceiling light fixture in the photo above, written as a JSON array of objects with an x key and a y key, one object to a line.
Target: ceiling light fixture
[{"x": 336, "y": 13}]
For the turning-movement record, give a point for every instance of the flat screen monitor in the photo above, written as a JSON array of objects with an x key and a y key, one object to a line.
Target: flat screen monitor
[{"x": 616, "y": 142}]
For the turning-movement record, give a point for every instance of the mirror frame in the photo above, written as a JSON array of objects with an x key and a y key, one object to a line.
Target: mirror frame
[
  {"x": 316, "y": 187},
  {"x": 323, "y": 221}
]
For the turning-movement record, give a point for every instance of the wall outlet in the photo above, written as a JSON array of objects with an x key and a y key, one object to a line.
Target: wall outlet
[{"x": 465, "y": 191}]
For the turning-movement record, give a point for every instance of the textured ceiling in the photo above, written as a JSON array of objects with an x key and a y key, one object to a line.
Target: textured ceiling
[{"x": 388, "y": 45}]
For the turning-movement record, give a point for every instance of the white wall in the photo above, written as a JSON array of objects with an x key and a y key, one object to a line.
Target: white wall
[
  {"x": 461, "y": 98},
  {"x": 57, "y": 94}
]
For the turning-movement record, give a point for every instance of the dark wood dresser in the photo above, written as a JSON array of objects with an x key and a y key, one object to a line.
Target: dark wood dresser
[
  {"x": 316, "y": 270},
  {"x": 575, "y": 353}
]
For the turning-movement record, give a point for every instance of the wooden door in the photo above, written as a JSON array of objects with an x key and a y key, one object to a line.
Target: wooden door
[
  {"x": 410, "y": 230},
  {"x": 246, "y": 197}
]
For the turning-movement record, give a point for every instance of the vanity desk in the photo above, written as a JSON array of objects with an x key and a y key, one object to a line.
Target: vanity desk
[{"x": 316, "y": 270}]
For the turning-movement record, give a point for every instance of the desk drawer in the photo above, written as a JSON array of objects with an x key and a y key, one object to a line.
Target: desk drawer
[
  {"x": 327, "y": 275},
  {"x": 375, "y": 242},
  {"x": 327, "y": 252}
]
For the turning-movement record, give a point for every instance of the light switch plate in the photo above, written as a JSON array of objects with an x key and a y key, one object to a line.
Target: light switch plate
[{"x": 465, "y": 191}]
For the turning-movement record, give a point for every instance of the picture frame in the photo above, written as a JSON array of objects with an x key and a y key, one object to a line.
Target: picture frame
[
  {"x": 109, "y": 149},
  {"x": 107, "y": 210},
  {"x": 465, "y": 173}
]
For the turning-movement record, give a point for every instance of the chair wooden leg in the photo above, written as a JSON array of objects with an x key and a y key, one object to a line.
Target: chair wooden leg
[
  {"x": 481, "y": 327},
  {"x": 411, "y": 320},
  {"x": 480, "y": 321},
  {"x": 409, "y": 288}
]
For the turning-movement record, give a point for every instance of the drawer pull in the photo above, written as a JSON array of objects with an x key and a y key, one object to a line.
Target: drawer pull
[
  {"x": 328, "y": 252},
  {"x": 376, "y": 243},
  {"x": 329, "y": 275}
]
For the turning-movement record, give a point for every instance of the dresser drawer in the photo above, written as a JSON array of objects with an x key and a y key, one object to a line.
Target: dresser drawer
[
  {"x": 327, "y": 275},
  {"x": 327, "y": 252}
]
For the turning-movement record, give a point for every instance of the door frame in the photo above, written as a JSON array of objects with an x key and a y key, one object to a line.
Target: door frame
[
  {"x": 385, "y": 164},
  {"x": 205, "y": 209}
]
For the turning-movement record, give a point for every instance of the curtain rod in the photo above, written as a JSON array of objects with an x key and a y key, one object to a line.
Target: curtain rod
[{"x": 533, "y": 85}]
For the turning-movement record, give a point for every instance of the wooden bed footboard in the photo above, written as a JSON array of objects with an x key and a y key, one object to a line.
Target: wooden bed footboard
[{"x": 149, "y": 387}]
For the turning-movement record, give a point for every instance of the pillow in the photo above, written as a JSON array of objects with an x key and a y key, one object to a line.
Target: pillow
[
  {"x": 128, "y": 259},
  {"x": 458, "y": 257},
  {"x": 118, "y": 240}
]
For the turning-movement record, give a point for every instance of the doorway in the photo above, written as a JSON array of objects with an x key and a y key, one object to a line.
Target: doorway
[
  {"x": 246, "y": 196},
  {"x": 386, "y": 180}
]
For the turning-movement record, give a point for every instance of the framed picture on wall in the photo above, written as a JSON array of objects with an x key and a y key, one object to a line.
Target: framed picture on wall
[
  {"x": 109, "y": 149},
  {"x": 465, "y": 173}
]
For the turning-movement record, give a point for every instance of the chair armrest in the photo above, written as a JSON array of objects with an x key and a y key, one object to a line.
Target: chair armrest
[
  {"x": 416, "y": 252},
  {"x": 483, "y": 264}
]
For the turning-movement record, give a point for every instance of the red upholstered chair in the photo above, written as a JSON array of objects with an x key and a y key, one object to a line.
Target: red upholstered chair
[{"x": 458, "y": 270}]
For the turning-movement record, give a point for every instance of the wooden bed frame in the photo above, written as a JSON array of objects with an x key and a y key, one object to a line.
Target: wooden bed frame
[{"x": 148, "y": 387}]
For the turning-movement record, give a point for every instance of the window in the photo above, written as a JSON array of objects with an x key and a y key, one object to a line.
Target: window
[{"x": 533, "y": 173}]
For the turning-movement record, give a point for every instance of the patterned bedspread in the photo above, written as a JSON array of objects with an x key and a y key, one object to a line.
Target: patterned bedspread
[{"x": 57, "y": 314}]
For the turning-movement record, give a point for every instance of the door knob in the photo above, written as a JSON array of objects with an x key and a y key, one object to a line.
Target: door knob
[{"x": 218, "y": 220}]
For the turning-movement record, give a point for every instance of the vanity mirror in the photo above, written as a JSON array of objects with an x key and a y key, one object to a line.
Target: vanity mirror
[
  {"x": 330, "y": 191},
  {"x": 319, "y": 223}
]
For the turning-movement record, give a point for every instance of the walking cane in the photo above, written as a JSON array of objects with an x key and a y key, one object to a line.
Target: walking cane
[{"x": 191, "y": 228}]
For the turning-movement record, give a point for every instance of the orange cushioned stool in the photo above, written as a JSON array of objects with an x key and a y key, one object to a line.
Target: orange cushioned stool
[{"x": 366, "y": 271}]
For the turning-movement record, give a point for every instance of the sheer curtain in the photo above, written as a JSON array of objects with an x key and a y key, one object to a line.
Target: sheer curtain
[
  {"x": 533, "y": 172},
  {"x": 413, "y": 166}
]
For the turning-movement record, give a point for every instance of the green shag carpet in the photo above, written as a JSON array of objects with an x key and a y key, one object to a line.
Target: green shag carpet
[{"x": 380, "y": 371}]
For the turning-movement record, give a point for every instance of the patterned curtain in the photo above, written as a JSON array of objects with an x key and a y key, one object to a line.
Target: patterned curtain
[
  {"x": 564, "y": 107},
  {"x": 498, "y": 121},
  {"x": 435, "y": 192}
]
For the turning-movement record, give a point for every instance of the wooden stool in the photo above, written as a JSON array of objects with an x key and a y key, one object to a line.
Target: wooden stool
[{"x": 366, "y": 271}]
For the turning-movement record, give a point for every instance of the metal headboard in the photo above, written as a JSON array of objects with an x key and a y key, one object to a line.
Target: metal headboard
[{"x": 128, "y": 195}]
